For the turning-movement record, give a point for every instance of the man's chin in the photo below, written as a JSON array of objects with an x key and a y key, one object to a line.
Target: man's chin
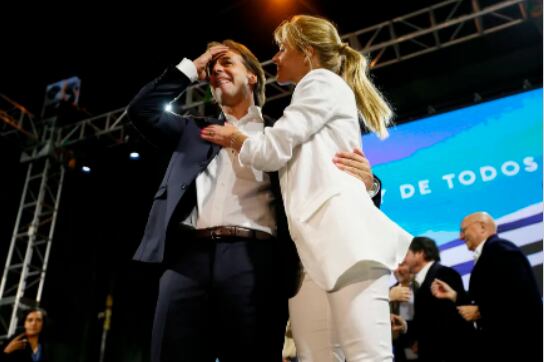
[{"x": 223, "y": 98}]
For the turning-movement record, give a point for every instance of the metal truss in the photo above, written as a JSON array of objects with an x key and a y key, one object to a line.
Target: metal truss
[
  {"x": 110, "y": 125},
  {"x": 424, "y": 31},
  {"x": 433, "y": 28},
  {"x": 430, "y": 29},
  {"x": 26, "y": 263},
  {"x": 16, "y": 120}
]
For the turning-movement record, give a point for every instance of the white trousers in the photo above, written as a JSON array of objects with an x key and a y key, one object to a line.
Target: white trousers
[{"x": 350, "y": 324}]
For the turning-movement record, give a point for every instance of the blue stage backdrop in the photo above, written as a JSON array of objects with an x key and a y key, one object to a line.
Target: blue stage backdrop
[{"x": 484, "y": 157}]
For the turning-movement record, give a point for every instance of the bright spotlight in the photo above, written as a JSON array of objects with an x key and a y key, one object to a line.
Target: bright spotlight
[
  {"x": 168, "y": 107},
  {"x": 134, "y": 156},
  {"x": 86, "y": 169}
]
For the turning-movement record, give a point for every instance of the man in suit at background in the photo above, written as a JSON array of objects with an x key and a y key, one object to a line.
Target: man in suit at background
[
  {"x": 507, "y": 304},
  {"x": 219, "y": 227},
  {"x": 440, "y": 332}
]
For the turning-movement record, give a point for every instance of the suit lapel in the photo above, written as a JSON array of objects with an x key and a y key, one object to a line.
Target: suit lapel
[{"x": 430, "y": 276}]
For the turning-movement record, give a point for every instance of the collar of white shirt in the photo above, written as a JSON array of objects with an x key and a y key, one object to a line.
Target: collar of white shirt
[
  {"x": 478, "y": 251},
  {"x": 420, "y": 276},
  {"x": 254, "y": 114}
]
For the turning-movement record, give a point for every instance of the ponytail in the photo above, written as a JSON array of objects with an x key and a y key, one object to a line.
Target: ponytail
[{"x": 374, "y": 108}]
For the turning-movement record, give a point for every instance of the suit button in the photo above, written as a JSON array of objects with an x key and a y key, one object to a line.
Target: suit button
[{"x": 183, "y": 186}]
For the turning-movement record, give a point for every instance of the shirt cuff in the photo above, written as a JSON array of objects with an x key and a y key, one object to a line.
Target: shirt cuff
[{"x": 187, "y": 67}]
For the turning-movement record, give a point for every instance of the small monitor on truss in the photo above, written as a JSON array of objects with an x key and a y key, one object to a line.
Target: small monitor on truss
[{"x": 63, "y": 92}]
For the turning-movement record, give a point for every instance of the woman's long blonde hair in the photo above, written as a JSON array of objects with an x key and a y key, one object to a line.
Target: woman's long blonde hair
[{"x": 305, "y": 31}]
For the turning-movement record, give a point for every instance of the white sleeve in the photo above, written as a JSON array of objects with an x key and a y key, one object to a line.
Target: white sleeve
[
  {"x": 188, "y": 68},
  {"x": 309, "y": 111}
]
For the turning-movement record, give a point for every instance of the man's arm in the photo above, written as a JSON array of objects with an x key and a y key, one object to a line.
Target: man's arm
[
  {"x": 443, "y": 290},
  {"x": 398, "y": 326},
  {"x": 470, "y": 313},
  {"x": 399, "y": 293},
  {"x": 147, "y": 110},
  {"x": 356, "y": 164}
]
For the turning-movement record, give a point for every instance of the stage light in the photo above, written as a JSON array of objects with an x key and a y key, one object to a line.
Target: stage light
[
  {"x": 168, "y": 107},
  {"x": 134, "y": 156},
  {"x": 86, "y": 169},
  {"x": 72, "y": 163}
]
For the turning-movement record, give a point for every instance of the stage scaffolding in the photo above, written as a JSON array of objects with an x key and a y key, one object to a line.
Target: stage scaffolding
[{"x": 45, "y": 144}]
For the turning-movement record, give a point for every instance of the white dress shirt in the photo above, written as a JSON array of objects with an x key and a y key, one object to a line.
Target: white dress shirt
[
  {"x": 227, "y": 192},
  {"x": 406, "y": 309},
  {"x": 478, "y": 251}
]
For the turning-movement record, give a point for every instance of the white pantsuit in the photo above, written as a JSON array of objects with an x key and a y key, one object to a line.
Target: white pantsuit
[
  {"x": 341, "y": 237},
  {"x": 351, "y": 323}
]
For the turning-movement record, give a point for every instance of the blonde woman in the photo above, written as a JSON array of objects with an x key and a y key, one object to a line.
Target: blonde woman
[{"x": 346, "y": 245}]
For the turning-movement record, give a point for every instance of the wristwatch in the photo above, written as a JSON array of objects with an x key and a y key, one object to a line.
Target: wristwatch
[{"x": 375, "y": 188}]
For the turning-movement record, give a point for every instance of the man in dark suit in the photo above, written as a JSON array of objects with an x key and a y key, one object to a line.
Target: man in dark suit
[
  {"x": 507, "y": 304},
  {"x": 440, "y": 332},
  {"x": 219, "y": 227}
]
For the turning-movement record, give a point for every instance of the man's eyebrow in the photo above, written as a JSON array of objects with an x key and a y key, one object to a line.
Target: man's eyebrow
[{"x": 226, "y": 57}]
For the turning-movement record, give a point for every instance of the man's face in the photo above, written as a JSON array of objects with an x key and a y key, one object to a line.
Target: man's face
[
  {"x": 472, "y": 232},
  {"x": 414, "y": 261},
  {"x": 402, "y": 273},
  {"x": 231, "y": 82}
]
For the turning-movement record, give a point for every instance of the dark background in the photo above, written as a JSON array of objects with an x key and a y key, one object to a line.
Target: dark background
[{"x": 115, "y": 52}]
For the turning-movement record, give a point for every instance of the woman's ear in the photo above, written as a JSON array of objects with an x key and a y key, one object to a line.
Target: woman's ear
[
  {"x": 311, "y": 57},
  {"x": 308, "y": 52}
]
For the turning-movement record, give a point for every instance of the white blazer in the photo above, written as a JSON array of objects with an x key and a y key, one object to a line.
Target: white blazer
[{"x": 340, "y": 235}]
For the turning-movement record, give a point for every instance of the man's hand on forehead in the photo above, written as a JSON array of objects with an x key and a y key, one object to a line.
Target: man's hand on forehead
[
  {"x": 217, "y": 51},
  {"x": 212, "y": 53}
]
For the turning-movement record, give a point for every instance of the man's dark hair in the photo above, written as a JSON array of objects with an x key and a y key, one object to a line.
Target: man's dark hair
[{"x": 427, "y": 246}]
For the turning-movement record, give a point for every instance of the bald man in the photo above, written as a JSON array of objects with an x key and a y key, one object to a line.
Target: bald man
[{"x": 507, "y": 304}]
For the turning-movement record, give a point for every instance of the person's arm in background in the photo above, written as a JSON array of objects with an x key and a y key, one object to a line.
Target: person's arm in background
[
  {"x": 443, "y": 290},
  {"x": 398, "y": 326},
  {"x": 400, "y": 293},
  {"x": 15, "y": 344}
]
